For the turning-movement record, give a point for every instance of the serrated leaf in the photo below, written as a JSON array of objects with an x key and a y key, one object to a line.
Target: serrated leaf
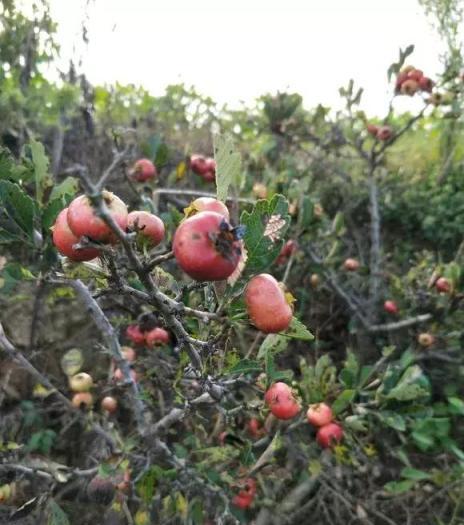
[
  {"x": 68, "y": 187},
  {"x": 297, "y": 330},
  {"x": 228, "y": 165},
  {"x": 50, "y": 213},
  {"x": 273, "y": 343},
  {"x": 246, "y": 366},
  {"x": 343, "y": 400},
  {"x": 456, "y": 405},
  {"x": 18, "y": 206},
  {"x": 409, "y": 386},
  {"x": 266, "y": 227},
  {"x": 40, "y": 161}
]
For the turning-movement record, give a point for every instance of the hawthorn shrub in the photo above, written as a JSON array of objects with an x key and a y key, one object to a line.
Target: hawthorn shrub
[{"x": 263, "y": 327}]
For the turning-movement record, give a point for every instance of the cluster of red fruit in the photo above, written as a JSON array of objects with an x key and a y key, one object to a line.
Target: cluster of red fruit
[
  {"x": 411, "y": 80},
  {"x": 80, "y": 220},
  {"x": 383, "y": 133},
  {"x": 205, "y": 167},
  {"x": 81, "y": 384},
  {"x": 153, "y": 337},
  {"x": 283, "y": 405}
]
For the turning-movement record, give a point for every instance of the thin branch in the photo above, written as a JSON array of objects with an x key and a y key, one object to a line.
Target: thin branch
[{"x": 389, "y": 327}]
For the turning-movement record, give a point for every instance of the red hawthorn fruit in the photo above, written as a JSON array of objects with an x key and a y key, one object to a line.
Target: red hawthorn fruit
[
  {"x": 206, "y": 248},
  {"x": 426, "y": 84},
  {"x": 118, "y": 376},
  {"x": 287, "y": 249},
  {"x": 207, "y": 204},
  {"x": 319, "y": 414},
  {"x": 351, "y": 265},
  {"x": 385, "y": 133},
  {"x": 372, "y": 129},
  {"x": 198, "y": 164},
  {"x": 149, "y": 227},
  {"x": 136, "y": 335},
  {"x": 280, "y": 400},
  {"x": 267, "y": 305},
  {"x": 64, "y": 240},
  {"x": 83, "y": 220},
  {"x": 109, "y": 404},
  {"x": 246, "y": 496},
  {"x": 157, "y": 336},
  {"x": 329, "y": 434},
  {"x": 143, "y": 170},
  {"x": 390, "y": 307},
  {"x": 128, "y": 353},
  {"x": 101, "y": 490},
  {"x": 443, "y": 285},
  {"x": 82, "y": 399},
  {"x": 210, "y": 174},
  {"x": 254, "y": 428},
  {"x": 409, "y": 87},
  {"x": 415, "y": 74}
]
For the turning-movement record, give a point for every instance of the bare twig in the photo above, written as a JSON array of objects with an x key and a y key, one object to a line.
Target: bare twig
[{"x": 388, "y": 327}]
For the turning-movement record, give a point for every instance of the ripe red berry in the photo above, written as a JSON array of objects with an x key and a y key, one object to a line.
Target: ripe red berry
[
  {"x": 198, "y": 164},
  {"x": 207, "y": 204},
  {"x": 253, "y": 427},
  {"x": 157, "y": 336},
  {"x": 246, "y": 495},
  {"x": 280, "y": 400},
  {"x": 83, "y": 220},
  {"x": 329, "y": 434},
  {"x": 319, "y": 414},
  {"x": 101, "y": 490},
  {"x": 415, "y": 74},
  {"x": 128, "y": 353},
  {"x": 385, "y": 133},
  {"x": 443, "y": 285},
  {"x": 426, "y": 84},
  {"x": 210, "y": 174},
  {"x": 288, "y": 248},
  {"x": 109, "y": 404},
  {"x": 149, "y": 227},
  {"x": 64, "y": 240},
  {"x": 206, "y": 248},
  {"x": 144, "y": 170},
  {"x": 351, "y": 265},
  {"x": 372, "y": 129},
  {"x": 82, "y": 400},
  {"x": 409, "y": 87},
  {"x": 267, "y": 305},
  {"x": 118, "y": 376},
  {"x": 390, "y": 307},
  {"x": 136, "y": 335}
]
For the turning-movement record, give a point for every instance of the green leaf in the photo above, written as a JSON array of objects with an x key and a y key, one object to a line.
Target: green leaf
[
  {"x": 297, "y": 330},
  {"x": 266, "y": 226},
  {"x": 414, "y": 474},
  {"x": 395, "y": 421},
  {"x": 423, "y": 440},
  {"x": 456, "y": 405},
  {"x": 228, "y": 165},
  {"x": 56, "y": 515},
  {"x": 273, "y": 343},
  {"x": 343, "y": 400},
  {"x": 399, "y": 487},
  {"x": 162, "y": 155},
  {"x": 410, "y": 386},
  {"x": 246, "y": 366},
  {"x": 68, "y": 187},
  {"x": 51, "y": 212},
  {"x": 18, "y": 206},
  {"x": 40, "y": 160}
]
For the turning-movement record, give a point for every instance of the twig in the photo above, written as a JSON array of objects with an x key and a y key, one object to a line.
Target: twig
[{"x": 388, "y": 327}]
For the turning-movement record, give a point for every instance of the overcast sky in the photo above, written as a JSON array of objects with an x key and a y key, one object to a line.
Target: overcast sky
[{"x": 236, "y": 50}]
